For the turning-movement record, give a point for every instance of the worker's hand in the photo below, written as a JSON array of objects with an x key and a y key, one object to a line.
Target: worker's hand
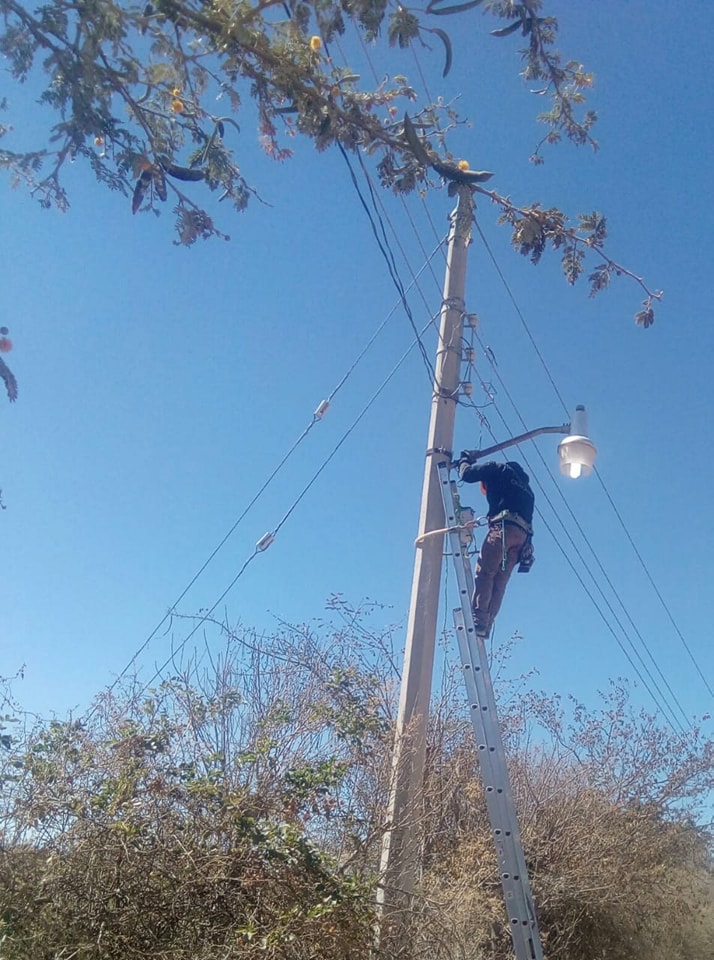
[{"x": 465, "y": 461}]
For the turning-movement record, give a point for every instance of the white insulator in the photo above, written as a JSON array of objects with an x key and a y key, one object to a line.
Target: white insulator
[
  {"x": 321, "y": 410},
  {"x": 472, "y": 320},
  {"x": 467, "y": 389},
  {"x": 265, "y": 541}
]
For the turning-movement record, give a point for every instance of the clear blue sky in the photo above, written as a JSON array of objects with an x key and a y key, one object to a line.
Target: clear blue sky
[{"x": 159, "y": 386}]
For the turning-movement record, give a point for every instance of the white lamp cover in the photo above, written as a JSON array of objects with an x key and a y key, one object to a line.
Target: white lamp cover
[{"x": 577, "y": 456}]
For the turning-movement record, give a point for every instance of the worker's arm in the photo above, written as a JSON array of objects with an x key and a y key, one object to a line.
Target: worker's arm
[{"x": 473, "y": 472}]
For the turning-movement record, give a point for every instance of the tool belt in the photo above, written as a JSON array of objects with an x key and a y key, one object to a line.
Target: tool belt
[{"x": 507, "y": 516}]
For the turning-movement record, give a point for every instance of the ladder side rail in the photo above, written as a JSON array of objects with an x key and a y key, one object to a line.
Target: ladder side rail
[
  {"x": 501, "y": 812},
  {"x": 489, "y": 699},
  {"x": 501, "y": 816},
  {"x": 485, "y": 753},
  {"x": 495, "y": 748}
]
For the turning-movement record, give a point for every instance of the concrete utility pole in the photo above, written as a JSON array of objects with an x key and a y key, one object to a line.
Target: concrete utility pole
[{"x": 398, "y": 868}]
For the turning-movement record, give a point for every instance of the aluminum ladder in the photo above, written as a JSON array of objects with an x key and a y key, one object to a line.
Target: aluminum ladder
[{"x": 522, "y": 922}]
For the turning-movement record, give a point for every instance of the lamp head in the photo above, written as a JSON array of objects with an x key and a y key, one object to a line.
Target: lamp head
[{"x": 577, "y": 452}]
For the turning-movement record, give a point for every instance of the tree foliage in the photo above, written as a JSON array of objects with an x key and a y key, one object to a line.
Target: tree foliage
[
  {"x": 149, "y": 95},
  {"x": 237, "y": 810}
]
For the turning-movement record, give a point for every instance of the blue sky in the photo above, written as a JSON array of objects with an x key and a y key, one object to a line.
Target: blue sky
[{"x": 160, "y": 386}]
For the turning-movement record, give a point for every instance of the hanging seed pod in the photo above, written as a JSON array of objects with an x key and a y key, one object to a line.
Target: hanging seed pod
[
  {"x": 183, "y": 173},
  {"x": 142, "y": 185}
]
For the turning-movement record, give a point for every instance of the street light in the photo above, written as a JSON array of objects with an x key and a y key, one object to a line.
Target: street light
[{"x": 577, "y": 452}]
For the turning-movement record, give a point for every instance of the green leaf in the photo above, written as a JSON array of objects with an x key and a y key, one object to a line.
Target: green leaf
[{"x": 403, "y": 27}]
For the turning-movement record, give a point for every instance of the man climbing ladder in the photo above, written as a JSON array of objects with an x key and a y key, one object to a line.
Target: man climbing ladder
[
  {"x": 508, "y": 542},
  {"x": 518, "y": 898}
]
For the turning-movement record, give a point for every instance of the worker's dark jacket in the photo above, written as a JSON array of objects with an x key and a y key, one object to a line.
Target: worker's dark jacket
[{"x": 507, "y": 487}]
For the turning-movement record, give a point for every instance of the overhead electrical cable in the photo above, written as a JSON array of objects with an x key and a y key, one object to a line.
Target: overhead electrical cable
[
  {"x": 267, "y": 539},
  {"x": 567, "y": 411},
  {"x": 519, "y": 314},
  {"x": 375, "y": 75},
  {"x": 379, "y": 206},
  {"x": 316, "y": 417},
  {"x": 654, "y": 586},
  {"x": 663, "y": 698},
  {"x": 609, "y": 497},
  {"x": 391, "y": 265},
  {"x": 659, "y": 699},
  {"x": 602, "y": 569},
  {"x": 381, "y": 235}
]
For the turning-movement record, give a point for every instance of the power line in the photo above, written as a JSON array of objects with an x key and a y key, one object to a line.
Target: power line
[
  {"x": 661, "y": 702},
  {"x": 520, "y": 316},
  {"x": 566, "y": 409},
  {"x": 602, "y": 569},
  {"x": 653, "y": 681},
  {"x": 316, "y": 417},
  {"x": 609, "y": 497},
  {"x": 654, "y": 585},
  {"x": 388, "y": 256},
  {"x": 385, "y": 246},
  {"x": 268, "y": 538}
]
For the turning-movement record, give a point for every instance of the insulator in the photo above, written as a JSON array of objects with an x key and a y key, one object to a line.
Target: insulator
[
  {"x": 321, "y": 410},
  {"x": 265, "y": 541}
]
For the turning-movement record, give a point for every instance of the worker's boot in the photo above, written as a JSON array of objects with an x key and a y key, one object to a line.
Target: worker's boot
[{"x": 482, "y": 629}]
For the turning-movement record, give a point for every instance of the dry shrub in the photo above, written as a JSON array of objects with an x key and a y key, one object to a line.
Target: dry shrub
[
  {"x": 227, "y": 813},
  {"x": 238, "y": 812},
  {"x": 618, "y": 867}
]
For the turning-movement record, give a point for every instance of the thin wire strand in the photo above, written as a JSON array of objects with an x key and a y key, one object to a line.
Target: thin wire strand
[
  {"x": 520, "y": 316},
  {"x": 540, "y": 356},
  {"x": 378, "y": 205},
  {"x": 608, "y": 580},
  {"x": 654, "y": 585}
]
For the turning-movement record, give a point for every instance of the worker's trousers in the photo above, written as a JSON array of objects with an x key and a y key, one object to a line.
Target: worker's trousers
[{"x": 492, "y": 574}]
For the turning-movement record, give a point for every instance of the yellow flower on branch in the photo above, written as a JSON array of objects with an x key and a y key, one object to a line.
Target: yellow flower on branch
[
  {"x": 315, "y": 44},
  {"x": 177, "y": 106},
  {"x": 463, "y": 165}
]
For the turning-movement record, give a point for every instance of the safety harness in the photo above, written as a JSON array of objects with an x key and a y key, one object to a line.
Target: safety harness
[{"x": 526, "y": 556}]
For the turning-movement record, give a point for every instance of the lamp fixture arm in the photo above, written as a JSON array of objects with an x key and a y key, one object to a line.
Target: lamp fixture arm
[{"x": 487, "y": 451}]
